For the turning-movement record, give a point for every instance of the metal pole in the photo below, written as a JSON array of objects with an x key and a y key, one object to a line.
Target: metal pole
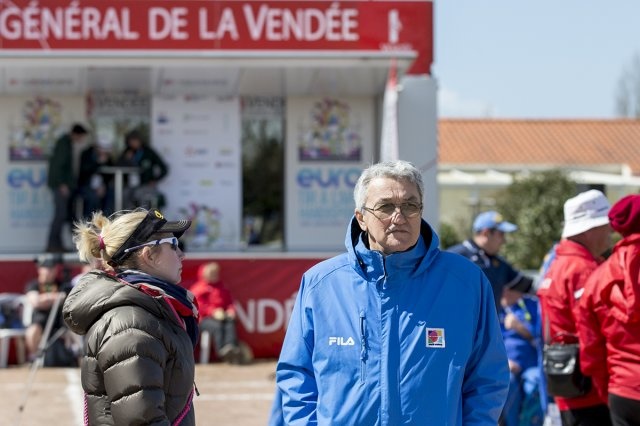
[{"x": 43, "y": 345}]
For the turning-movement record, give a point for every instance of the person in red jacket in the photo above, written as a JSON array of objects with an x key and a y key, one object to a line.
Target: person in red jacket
[
  {"x": 609, "y": 318},
  {"x": 585, "y": 237},
  {"x": 217, "y": 311}
]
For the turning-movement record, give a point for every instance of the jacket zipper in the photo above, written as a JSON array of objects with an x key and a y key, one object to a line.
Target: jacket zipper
[{"x": 363, "y": 348}]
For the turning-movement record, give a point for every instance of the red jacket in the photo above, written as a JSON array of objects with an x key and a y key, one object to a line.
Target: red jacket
[
  {"x": 211, "y": 296},
  {"x": 609, "y": 322},
  {"x": 559, "y": 293}
]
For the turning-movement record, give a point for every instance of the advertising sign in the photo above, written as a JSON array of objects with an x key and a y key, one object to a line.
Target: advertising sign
[
  {"x": 215, "y": 26},
  {"x": 31, "y": 126},
  {"x": 329, "y": 142},
  {"x": 199, "y": 137}
]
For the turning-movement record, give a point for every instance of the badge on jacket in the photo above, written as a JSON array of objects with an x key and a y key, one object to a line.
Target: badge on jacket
[{"x": 435, "y": 337}]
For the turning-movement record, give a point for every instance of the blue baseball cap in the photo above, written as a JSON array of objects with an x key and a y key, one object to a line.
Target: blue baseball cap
[{"x": 492, "y": 220}]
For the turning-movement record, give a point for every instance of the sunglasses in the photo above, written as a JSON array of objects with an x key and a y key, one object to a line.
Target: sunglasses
[
  {"x": 385, "y": 211},
  {"x": 171, "y": 240}
]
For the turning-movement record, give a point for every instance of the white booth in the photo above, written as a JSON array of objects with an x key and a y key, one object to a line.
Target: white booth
[{"x": 208, "y": 80}]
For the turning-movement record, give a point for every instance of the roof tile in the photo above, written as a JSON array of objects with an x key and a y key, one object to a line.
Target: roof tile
[{"x": 540, "y": 142}]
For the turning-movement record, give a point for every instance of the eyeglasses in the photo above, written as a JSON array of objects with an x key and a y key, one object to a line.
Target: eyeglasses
[
  {"x": 385, "y": 211},
  {"x": 171, "y": 240}
]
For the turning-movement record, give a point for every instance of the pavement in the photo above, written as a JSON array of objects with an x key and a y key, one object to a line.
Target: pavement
[{"x": 238, "y": 395}]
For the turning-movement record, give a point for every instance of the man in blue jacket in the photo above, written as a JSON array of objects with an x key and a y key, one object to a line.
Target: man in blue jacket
[
  {"x": 394, "y": 331},
  {"x": 489, "y": 235}
]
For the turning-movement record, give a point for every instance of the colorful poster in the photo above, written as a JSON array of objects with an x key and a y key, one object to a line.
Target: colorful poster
[
  {"x": 33, "y": 132},
  {"x": 330, "y": 133},
  {"x": 199, "y": 136},
  {"x": 329, "y": 142},
  {"x": 31, "y": 125}
]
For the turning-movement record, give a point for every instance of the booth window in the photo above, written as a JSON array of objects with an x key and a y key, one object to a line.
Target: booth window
[{"x": 263, "y": 171}]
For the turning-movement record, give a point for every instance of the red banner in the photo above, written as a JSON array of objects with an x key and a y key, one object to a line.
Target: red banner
[
  {"x": 214, "y": 26},
  {"x": 264, "y": 291}
]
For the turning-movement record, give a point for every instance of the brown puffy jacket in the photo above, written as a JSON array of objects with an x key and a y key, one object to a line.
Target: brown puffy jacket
[{"x": 138, "y": 366}]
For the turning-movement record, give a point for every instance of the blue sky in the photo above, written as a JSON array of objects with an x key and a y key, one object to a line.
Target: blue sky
[{"x": 532, "y": 59}]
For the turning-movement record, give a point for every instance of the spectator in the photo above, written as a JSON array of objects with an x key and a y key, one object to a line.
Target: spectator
[
  {"x": 393, "y": 331},
  {"x": 217, "y": 311},
  {"x": 64, "y": 169},
  {"x": 142, "y": 188},
  {"x": 520, "y": 325},
  {"x": 489, "y": 235},
  {"x": 585, "y": 236},
  {"x": 96, "y": 188},
  {"x": 609, "y": 319},
  {"x": 140, "y": 326},
  {"x": 42, "y": 293}
]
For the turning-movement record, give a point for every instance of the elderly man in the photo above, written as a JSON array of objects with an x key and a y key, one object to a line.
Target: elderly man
[{"x": 393, "y": 331}]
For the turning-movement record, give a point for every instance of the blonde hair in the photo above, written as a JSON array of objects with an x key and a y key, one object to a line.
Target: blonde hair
[{"x": 102, "y": 236}]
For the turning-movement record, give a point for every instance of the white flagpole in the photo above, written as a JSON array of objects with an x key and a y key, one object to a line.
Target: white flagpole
[{"x": 389, "y": 150}]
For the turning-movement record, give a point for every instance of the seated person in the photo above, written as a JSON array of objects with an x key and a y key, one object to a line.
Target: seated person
[
  {"x": 41, "y": 293},
  {"x": 520, "y": 324},
  {"x": 217, "y": 311},
  {"x": 141, "y": 188},
  {"x": 96, "y": 189}
]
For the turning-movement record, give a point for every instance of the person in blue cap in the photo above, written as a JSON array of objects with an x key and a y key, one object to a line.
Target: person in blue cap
[{"x": 489, "y": 235}]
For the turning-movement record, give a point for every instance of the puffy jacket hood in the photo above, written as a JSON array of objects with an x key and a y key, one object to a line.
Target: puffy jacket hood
[
  {"x": 375, "y": 263},
  {"x": 97, "y": 293},
  {"x": 622, "y": 293}
]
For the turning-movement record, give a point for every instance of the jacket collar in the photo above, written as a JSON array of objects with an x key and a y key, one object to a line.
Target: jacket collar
[{"x": 372, "y": 264}]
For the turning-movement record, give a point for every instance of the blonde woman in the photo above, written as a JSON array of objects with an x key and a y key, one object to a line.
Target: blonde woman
[{"x": 140, "y": 326}]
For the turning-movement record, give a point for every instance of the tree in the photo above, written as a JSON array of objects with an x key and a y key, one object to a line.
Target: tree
[
  {"x": 448, "y": 235},
  {"x": 535, "y": 203},
  {"x": 628, "y": 90}
]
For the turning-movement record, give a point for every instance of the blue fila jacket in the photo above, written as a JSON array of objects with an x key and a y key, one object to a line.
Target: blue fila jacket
[{"x": 410, "y": 338}]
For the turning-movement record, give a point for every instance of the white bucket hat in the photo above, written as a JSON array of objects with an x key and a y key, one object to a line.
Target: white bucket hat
[{"x": 585, "y": 211}]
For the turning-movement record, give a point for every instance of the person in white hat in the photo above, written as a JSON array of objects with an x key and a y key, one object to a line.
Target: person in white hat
[{"x": 586, "y": 236}]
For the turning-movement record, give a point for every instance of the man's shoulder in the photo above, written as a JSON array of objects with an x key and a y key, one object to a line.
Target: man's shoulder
[
  {"x": 464, "y": 248},
  {"x": 64, "y": 139},
  {"x": 327, "y": 266}
]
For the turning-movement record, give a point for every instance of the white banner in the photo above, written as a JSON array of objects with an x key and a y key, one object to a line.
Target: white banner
[
  {"x": 30, "y": 125},
  {"x": 329, "y": 142},
  {"x": 199, "y": 138}
]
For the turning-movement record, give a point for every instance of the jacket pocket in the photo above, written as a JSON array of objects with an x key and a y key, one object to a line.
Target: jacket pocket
[{"x": 363, "y": 347}]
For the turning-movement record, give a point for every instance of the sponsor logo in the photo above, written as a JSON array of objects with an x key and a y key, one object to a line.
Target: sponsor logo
[
  {"x": 435, "y": 337},
  {"x": 546, "y": 283},
  {"x": 341, "y": 341},
  {"x": 20, "y": 178}
]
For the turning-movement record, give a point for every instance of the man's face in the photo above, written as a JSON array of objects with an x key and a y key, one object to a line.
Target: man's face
[
  {"x": 47, "y": 274},
  {"x": 601, "y": 238},
  {"x": 510, "y": 297},
  {"x": 79, "y": 138},
  {"x": 395, "y": 233},
  {"x": 494, "y": 241}
]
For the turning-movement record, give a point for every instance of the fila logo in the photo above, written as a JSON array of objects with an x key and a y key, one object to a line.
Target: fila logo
[{"x": 341, "y": 341}]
